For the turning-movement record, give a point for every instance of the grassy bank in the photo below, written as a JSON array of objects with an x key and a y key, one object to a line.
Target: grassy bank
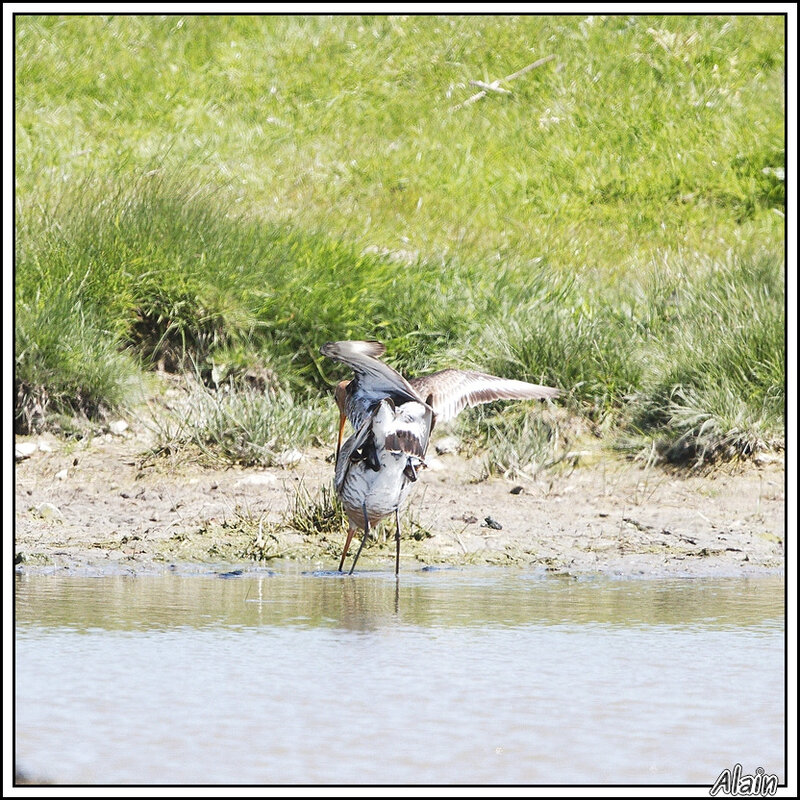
[{"x": 224, "y": 194}]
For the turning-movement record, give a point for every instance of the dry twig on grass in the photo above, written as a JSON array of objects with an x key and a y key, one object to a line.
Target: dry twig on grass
[{"x": 495, "y": 86}]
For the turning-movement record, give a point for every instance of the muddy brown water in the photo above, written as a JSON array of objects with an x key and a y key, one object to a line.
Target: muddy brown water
[{"x": 477, "y": 675}]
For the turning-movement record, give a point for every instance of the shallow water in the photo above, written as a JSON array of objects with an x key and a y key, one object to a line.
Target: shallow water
[{"x": 471, "y": 676}]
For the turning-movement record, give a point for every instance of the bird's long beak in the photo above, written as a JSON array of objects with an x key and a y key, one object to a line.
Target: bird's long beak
[
  {"x": 339, "y": 394},
  {"x": 342, "y": 419}
]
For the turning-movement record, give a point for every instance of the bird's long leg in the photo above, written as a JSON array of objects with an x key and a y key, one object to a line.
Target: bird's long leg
[
  {"x": 350, "y": 531},
  {"x": 363, "y": 538},
  {"x": 397, "y": 540}
]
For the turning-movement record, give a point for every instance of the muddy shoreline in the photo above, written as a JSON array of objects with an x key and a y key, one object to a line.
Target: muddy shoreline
[{"x": 96, "y": 508}]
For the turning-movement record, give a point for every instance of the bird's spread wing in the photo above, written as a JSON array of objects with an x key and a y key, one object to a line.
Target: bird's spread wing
[
  {"x": 450, "y": 390},
  {"x": 375, "y": 376}
]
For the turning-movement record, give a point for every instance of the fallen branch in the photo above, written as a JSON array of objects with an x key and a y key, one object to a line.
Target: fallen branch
[
  {"x": 494, "y": 86},
  {"x": 529, "y": 67}
]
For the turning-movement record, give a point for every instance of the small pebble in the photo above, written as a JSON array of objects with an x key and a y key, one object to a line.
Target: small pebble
[
  {"x": 234, "y": 573},
  {"x": 447, "y": 444},
  {"x": 118, "y": 427},
  {"x": 49, "y": 512},
  {"x": 258, "y": 479},
  {"x": 24, "y": 450},
  {"x": 288, "y": 458},
  {"x": 492, "y": 523}
]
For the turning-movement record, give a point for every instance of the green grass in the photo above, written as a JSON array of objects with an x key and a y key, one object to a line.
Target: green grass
[
  {"x": 656, "y": 127},
  {"x": 244, "y": 425},
  {"x": 518, "y": 442},
  {"x": 318, "y": 514},
  {"x": 66, "y": 360},
  {"x": 224, "y": 194},
  {"x": 715, "y": 385},
  {"x": 182, "y": 280}
]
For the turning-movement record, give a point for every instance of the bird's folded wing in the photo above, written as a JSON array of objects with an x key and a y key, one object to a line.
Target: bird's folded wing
[
  {"x": 448, "y": 392},
  {"x": 343, "y": 462}
]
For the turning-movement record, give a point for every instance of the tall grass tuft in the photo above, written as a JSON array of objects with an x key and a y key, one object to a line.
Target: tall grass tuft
[
  {"x": 316, "y": 514},
  {"x": 518, "y": 443},
  {"x": 563, "y": 332},
  {"x": 242, "y": 425},
  {"x": 67, "y": 362},
  {"x": 692, "y": 355},
  {"x": 165, "y": 272},
  {"x": 714, "y": 386}
]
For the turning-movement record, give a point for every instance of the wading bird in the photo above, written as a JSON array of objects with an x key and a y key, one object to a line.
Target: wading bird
[
  {"x": 399, "y": 438},
  {"x": 377, "y": 465}
]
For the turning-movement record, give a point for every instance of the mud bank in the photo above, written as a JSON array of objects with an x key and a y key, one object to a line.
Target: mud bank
[{"x": 96, "y": 508}]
